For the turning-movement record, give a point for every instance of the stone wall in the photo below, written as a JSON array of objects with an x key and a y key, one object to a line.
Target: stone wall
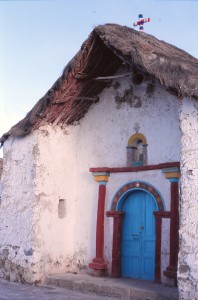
[
  {"x": 188, "y": 255},
  {"x": 1, "y": 167}
]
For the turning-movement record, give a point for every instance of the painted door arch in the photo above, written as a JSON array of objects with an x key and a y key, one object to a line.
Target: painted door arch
[
  {"x": 138, "y": 236},
  {"x": 118, "y": 216}
]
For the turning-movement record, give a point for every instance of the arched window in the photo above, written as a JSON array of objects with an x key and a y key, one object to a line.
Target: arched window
[{"x": 137, "y": 150}]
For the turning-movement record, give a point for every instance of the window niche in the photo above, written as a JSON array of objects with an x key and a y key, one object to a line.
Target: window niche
[{"x": 137, "y": 151}]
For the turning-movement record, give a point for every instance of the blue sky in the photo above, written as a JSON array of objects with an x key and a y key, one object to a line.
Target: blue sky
[{"x": 38, "y": 38}]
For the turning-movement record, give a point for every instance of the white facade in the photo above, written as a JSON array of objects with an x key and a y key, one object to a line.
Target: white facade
[
  {"x": 49, "y": 196},
  {"x": 188, "y": 255},
  {"x": 1, "y": 169}
]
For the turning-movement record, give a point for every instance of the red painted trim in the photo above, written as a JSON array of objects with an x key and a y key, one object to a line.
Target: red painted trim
[
  {"x": 174, "y": 225},
  {"x": 158, "y": 216},
  {"x": 117, "y": 239},
  {"x": 100, "y": 222},
  {"x": 138, "y": 185},
  {"x": 98, "y": 262},
  {"x": 162, "y": 214},
  {"x": 158, "y": 247},
  {"x": 136, "y": 169},
  {"x": 114, "y": 213},
  {"x": 171, "y": 270},
  {"x": 117, "y": 227}
]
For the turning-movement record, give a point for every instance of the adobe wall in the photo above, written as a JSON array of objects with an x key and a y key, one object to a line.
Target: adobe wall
[
  {"x": 99, "y": 140},
  {"x": 1, "y": 170},
  {"x": 16, "y": 209},
  {"x": 61, "y": 192},
  {"x": 188, "y": 255},
  {"x": 1, "y": 167}
]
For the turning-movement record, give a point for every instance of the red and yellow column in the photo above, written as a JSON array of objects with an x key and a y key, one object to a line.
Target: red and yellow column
[
  {"x": 99, "y": 264},
  {"x": 173, "y": 176}
]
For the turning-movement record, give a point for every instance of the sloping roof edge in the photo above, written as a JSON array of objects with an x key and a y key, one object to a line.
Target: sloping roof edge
[{"x": 71, "y": 95}]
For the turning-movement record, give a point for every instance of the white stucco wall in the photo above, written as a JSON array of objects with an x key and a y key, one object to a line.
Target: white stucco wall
[
  {"x": 18, "y": 200},
  {"x": 188, "y": 255},
  {"x": 1, "y": 169},
  {"x": 63, "y": 193}
]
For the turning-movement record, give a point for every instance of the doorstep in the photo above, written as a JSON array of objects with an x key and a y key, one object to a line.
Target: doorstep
[{"x": 120, "y": 288}]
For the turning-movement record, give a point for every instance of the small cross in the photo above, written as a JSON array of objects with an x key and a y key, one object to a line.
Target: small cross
[
  {"x": 141, "y": 22},
  {"x": 137, "y": 184},
  {"x": 136, "y": 127}
]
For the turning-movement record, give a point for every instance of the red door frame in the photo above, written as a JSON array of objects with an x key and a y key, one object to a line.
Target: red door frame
[
  {"x": 118, "y": 216},
  {"x": 117, "y": 225}
]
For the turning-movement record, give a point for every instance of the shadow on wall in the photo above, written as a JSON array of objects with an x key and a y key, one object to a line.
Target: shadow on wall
[{"x": 1, "y": 166}]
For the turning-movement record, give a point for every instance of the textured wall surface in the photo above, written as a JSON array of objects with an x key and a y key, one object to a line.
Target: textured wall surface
[
  {"x": 1, "y": 166},
  {"x": 16, "y": 210},
  {"x": 188, "y": 255},
  {"x": 49, "y": 195},
  {"x": 1, "y": 170}
]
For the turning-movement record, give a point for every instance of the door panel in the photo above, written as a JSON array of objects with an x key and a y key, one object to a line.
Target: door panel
[{"x": 138, "y": 236}]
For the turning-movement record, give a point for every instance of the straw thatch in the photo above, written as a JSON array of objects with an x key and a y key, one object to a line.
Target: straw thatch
[{"x": 106, "y": 49}]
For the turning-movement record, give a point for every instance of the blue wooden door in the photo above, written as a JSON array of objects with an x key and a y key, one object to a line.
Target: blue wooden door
[{"x": 138, "y": 236}]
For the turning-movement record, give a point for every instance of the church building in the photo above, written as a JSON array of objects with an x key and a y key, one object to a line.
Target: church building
[{"x": 101, "y": 176}]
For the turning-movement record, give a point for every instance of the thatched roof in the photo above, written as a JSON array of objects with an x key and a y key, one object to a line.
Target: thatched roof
[{"x": 101, "y": 55}]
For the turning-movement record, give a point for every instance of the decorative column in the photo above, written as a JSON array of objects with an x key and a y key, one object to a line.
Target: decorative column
[
  {"x": 159, "y": 215},
  {"x": 99, "y": 264},
  {"x": 173, "y": 176},
  {"x": 117, "y": 238},
  {"x": 158, "y": 243}
]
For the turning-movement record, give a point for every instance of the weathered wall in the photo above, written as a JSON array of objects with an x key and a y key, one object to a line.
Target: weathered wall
[
  {"x": 1, "y": 166},
  {"x": 64, "y": 195},
  {"x": 56, "y": 185},
  {"x": 1, "y": 169},
  {"x": 16, "y": 209},
  {"x": 100, "y": 139},
  {"x": 188, "y": 255}
]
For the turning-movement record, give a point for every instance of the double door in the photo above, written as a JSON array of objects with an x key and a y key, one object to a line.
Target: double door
[{"x": 138, "y": 236}]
